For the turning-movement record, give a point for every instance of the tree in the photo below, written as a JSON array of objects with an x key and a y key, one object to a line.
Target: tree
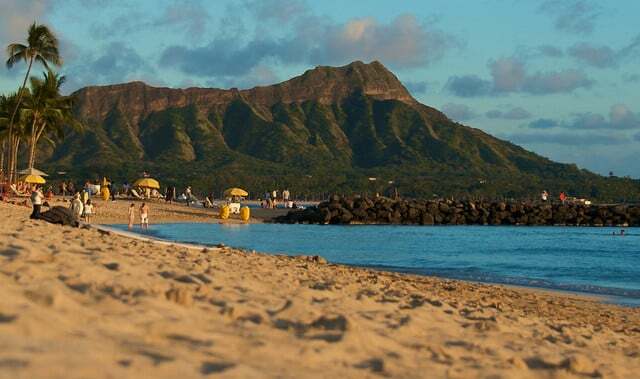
[
  {"x": 41, "y": 47},
  {"x": 47, "y": 111},
  {"x": 7, "y": 104}
]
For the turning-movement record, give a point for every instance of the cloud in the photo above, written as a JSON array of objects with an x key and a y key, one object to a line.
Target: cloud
[
  {"x": 572, "y": 16},
  {"x": 116, "y": 63},
  {"x": 417, "y": 87},
  {"x": 516, "y": 113},
  {"x": 620, "y": 118},
  {"x": 543, "y": 123},
  {"x": 601, "y": 56},
  {"x": 542, "y": 83},
  {"x": 17, "y": 15},
  {"x": 509, "y": 75},
  {"x": 568, "y": 139},
  {"x": 468, "y": 86},
  {"x": 404, "y": 42},
  {"x": 189, "y": 17},
  {"x": 458, "y": 112},
  {"x": 550, "y": 51}
]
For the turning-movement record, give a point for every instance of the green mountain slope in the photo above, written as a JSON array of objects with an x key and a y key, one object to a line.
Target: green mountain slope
[{"x": 328, "y": 130}]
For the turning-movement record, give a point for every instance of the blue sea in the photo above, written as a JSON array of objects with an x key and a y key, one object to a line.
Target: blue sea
[{"x": 584, "y": 260}]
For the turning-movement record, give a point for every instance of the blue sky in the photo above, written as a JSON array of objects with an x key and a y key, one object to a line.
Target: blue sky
[{"x": 559, "y": 77}]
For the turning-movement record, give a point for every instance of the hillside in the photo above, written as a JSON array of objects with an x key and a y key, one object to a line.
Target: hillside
[{"x": 327, "y": 130}]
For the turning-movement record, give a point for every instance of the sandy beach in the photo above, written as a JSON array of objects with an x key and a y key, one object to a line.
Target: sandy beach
[{"x": 84, "y": 303}]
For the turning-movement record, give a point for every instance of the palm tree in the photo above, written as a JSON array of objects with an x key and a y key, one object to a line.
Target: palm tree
[
  {"x": 7, "y": 104},
  {"x": 47, "y": 111},
  {"x": 42, "y": 47}
]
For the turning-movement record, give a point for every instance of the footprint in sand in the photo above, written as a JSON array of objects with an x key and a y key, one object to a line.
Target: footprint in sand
[{"x": 208, "y": 368}]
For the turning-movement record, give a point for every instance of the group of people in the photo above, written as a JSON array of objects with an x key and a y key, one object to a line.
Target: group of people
[
  {"x": 544, "y": 196},
  {"x": 82, "y": 207},
  {"x": 271, "y": 199},
  {"x": 144, "y": 215}
]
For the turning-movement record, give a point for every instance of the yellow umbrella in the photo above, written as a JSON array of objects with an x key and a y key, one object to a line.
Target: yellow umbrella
[
  {"x": 147, "y": 183},
  {"x": 34, "y": 179},
  {"x": 235, "y": 192}
]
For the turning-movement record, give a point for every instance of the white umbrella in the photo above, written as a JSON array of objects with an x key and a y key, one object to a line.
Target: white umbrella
[{"x": 32, "y": 171}]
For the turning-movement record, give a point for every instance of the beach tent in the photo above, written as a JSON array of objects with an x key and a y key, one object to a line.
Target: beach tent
[
  {"x": 32, "y": 171},
  {"x": 34, "y": 179},
  {"x": 147, "y": 183},
  {"x": 235, "y": 192}
]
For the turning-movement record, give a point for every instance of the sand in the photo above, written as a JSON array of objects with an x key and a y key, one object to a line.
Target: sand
[
  {"x": 81, "y": 303},
  {"x": 115, "y": 212}
]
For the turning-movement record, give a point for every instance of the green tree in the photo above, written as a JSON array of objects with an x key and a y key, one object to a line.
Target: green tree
[
  {"x": 47, "y": 111},
  {"x": 41, "y": 47}
]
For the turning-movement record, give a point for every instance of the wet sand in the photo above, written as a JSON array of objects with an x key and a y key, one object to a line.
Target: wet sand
[{"x": 84, "y": 303}]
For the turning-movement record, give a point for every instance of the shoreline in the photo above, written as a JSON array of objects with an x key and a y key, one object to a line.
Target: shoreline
[
  {"x": 604, "y": 298},
  {"x": 78, "y": 302}
]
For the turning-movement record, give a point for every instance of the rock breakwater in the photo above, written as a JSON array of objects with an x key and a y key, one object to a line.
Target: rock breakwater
[{"x": 381, "y": 210}]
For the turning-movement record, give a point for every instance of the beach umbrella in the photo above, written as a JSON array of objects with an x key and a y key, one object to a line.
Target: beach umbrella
[
  {"x": 32, "y": 171},
  {"x": 147, "y": 183},
  {"x": 34, "y": 179},
  {"x": 235, "y": 192}
]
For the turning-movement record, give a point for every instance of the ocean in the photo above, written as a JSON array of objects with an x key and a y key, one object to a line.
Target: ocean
[{"x": 585, "y": 260}]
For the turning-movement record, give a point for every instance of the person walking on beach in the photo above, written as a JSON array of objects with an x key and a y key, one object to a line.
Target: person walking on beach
[
  {"x": 36, "y": 201},
  {"x": 187, "y": 194},
  {"x": 87, "y": 211},
  {"x": 132, "y": 215},
  {"x": 144, "y": 216},
  {"x": 76, "y": 207}
]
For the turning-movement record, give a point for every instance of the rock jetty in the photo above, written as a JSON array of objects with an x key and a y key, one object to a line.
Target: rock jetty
[{"x": 382, "y": 210}]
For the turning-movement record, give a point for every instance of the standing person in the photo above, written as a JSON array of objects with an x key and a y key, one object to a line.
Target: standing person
[
  {"x": 87, "y": 211},
  {"x": 545, "y": 196},
  {"x": 63, "y": 189},
  {"x": 132, "y": 215},
  {"x": 71, "y": 188},
  {"x": 36, "y": 201},
  {"x": 112, "y": 190},
  {"x": 187, "y": 194},
  {"x": 285, "y": 196},
  {"x": 563, "y": 197},
  {"x": 76, "y": 206},
  {"x": 144, "y": 216},
  {"x": 274, "y": 195}
]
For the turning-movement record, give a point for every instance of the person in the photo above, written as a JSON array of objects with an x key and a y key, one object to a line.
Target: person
[
  {"x": 274, "y": 195},
  {"x": 36, "y": 201},
  {"x": 87, "y": 211},
  {"x": 285, "y": 196},
  {"x": 545, "y": 195},
  {"x": 144, "y": 216},
  {"x": 563, "y": 197},
  {"x": 71, "y": 188},
  {"x": 63, "y": 189},
  {"x": 112, "y": 190},
  {"x": 132, "y": 215},
  {"x": 187, "y": 194},
  {"x": 76, "y": 206}
]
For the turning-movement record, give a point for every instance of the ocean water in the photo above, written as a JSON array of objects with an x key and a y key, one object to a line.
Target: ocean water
[{"x": 586, "y": 260}]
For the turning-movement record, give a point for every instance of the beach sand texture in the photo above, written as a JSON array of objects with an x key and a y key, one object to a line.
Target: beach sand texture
[{"x": 81, "y": 303}]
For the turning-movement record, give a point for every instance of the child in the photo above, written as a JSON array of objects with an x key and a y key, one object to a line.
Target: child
[
  {"x": 132, "y": 215},
  {"x": 88, "y": 211}
]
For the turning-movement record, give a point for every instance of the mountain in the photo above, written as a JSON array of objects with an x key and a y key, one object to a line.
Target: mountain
[{"x": 328, "y": 130}]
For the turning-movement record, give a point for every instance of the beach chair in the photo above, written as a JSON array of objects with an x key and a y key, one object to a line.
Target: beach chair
[
  {"x": 135, "y": 194},
  {"x": 15, "y": 192}
]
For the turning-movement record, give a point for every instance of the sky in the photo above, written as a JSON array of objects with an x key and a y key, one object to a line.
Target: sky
[{"x": 558, "y": 77}]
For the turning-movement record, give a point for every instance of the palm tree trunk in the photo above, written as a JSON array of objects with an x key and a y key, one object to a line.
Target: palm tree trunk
[
  {"x": 2, "y": 171},
  {"x": 12, "y": 153},
  {"x": 32, "y": 141}
]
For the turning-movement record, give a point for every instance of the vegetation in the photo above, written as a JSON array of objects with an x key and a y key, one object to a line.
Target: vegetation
[{"x": 41, "y": 47}]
